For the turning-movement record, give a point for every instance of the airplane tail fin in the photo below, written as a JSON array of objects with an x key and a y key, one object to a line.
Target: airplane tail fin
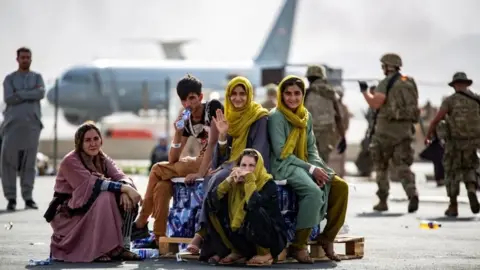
[
  {"x": 173, "y": 49},
  {"x": 276, "y": 48}
]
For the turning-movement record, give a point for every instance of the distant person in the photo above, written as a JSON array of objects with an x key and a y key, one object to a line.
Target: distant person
[
  {"x": 22, "y": 91},
  {"x": 159, "y": 152},
  {"x": 396, "y": 99},
  {"x": 271, "y": 101},
  {"x": 321, "y": 101},
  {"x": 94, "y": 204},
  {"x": 463, "y": 139},
  {"x": 198, "y": 125}
]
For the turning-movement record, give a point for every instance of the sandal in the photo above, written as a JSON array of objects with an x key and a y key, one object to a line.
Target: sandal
[
  {"x": 232, "y": 258},
  {"x": 254, "y": 261},
  {"x": 194, "y": 249},
  {"x": 301, "y": 255},
  {"x": 325, "y": 246},
  {"x": 103, "y": 258},
  {"x": 214, "y": 260},
  {"x": 127, "y": 255}
]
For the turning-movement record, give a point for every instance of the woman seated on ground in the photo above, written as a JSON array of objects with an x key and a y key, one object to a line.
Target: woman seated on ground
[
  {"x": 244, "y": 218},
  {"x": 243, "y": 126},
  {"x": 94, "y": 204},
  {"x": 295, "y": 158}
]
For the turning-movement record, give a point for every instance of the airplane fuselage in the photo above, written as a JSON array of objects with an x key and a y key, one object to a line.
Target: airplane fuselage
[{"x": 94, "y": 91}]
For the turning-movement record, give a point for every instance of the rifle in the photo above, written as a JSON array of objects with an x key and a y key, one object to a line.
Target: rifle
[{"x": 375, "y": 114}]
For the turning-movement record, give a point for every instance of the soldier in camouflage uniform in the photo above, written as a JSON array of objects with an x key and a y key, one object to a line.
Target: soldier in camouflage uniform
[
  {"x": 321, "y": 101},
  {"x": 460, "y": 160},
  {"x": 396, "y": 99}
]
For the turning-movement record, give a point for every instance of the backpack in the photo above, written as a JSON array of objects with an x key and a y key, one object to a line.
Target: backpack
[
  {"x": 464, "y": 119},
  {"x": 319, "y": 103},
  {"x": 402, "y": 103}
]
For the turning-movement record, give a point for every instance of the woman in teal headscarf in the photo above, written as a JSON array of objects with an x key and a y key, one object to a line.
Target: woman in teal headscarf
[{"x": 295, "y": 158}]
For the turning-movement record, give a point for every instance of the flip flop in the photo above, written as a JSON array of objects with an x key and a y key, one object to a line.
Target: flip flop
[
  {"x": 193, "y": 249},
  {"x": 231, "y": 260},
  {"x": 214, "y": 260},
  {"x": 127, "y": 255},
  {"x": 103, "y": 259},
  {"x": 259, "y": 263},
  {"x": 305, "y": 259}
]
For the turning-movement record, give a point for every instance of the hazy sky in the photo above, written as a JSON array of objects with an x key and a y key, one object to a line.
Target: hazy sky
[{"x": 433, "y": 41}]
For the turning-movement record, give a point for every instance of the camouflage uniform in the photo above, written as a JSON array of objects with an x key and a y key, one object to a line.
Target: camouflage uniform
[
  {"x": 393, "y": 135},
  {"x": 319, "y": 101},
  {"x": 271, "y": 91},
  {"x": 462, "y": 140}
]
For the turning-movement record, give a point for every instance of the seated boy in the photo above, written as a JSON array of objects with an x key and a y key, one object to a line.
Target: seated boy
[{"x": 160, "y": 188}]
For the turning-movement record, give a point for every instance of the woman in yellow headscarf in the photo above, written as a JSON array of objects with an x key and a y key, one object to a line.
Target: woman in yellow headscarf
[
  {"x": 295, "y": 158},
  {"x": 244, "y": 125},
  {"x": 244, "y": 218}
]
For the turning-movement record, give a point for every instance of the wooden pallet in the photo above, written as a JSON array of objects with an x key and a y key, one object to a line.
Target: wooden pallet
[
  {"x": 168, "y": 248},
  {"x": 353, "y": 250}
]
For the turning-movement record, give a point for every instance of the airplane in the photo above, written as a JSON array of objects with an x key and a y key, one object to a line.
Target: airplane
[{"x": 104, "y": 87}]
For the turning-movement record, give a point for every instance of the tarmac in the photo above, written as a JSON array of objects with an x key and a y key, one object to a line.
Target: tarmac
[{"x": 393, "y": 240}]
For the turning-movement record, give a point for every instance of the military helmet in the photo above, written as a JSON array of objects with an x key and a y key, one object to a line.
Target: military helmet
[
  {"x": 391, "y": 59},
  {"x": 316, "y": 71}
]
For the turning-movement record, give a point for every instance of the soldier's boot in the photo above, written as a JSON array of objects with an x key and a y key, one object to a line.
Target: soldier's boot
[
  {"x": 452, "y": 210},
  {"x": 382, "y": 205},
  {"x": 413, "y": 204},
  {"x": 472, "y": 198}
]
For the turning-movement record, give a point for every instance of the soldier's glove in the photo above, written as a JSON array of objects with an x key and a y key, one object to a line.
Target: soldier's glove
[
  {"x": 363, "y": 86},
  {"x": 342, "y": 146}
]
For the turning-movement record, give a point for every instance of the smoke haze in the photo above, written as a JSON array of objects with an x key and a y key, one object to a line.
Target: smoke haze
[{"x": 435, "y": 38}]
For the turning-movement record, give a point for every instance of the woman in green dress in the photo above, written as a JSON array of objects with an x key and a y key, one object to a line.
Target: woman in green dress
[{"x": 294, "y": 157}]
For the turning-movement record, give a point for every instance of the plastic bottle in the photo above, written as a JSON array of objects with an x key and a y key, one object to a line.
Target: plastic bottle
[
  {"x": 185, "y": 116},
  {"x": 146, "y": 253},
  {"x": 430, "y": 225},
  {"x": 39, "y": 262}
]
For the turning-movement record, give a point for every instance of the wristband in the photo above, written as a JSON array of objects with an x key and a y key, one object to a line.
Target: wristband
[
  {"x": 222, "y": 142},
  {"x": 312, "y": 169},
  {"x": 176, "y": 145}
]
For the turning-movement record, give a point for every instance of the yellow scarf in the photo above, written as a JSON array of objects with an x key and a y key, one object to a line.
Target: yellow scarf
[
  {"x": 297, "y": 139},
  {"x": 240, "y": 120},
  {"x": 240, "y": 194}
]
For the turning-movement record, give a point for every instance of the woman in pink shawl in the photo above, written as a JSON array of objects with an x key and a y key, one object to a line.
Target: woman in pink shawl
[{"x": 94, "y": 204}]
